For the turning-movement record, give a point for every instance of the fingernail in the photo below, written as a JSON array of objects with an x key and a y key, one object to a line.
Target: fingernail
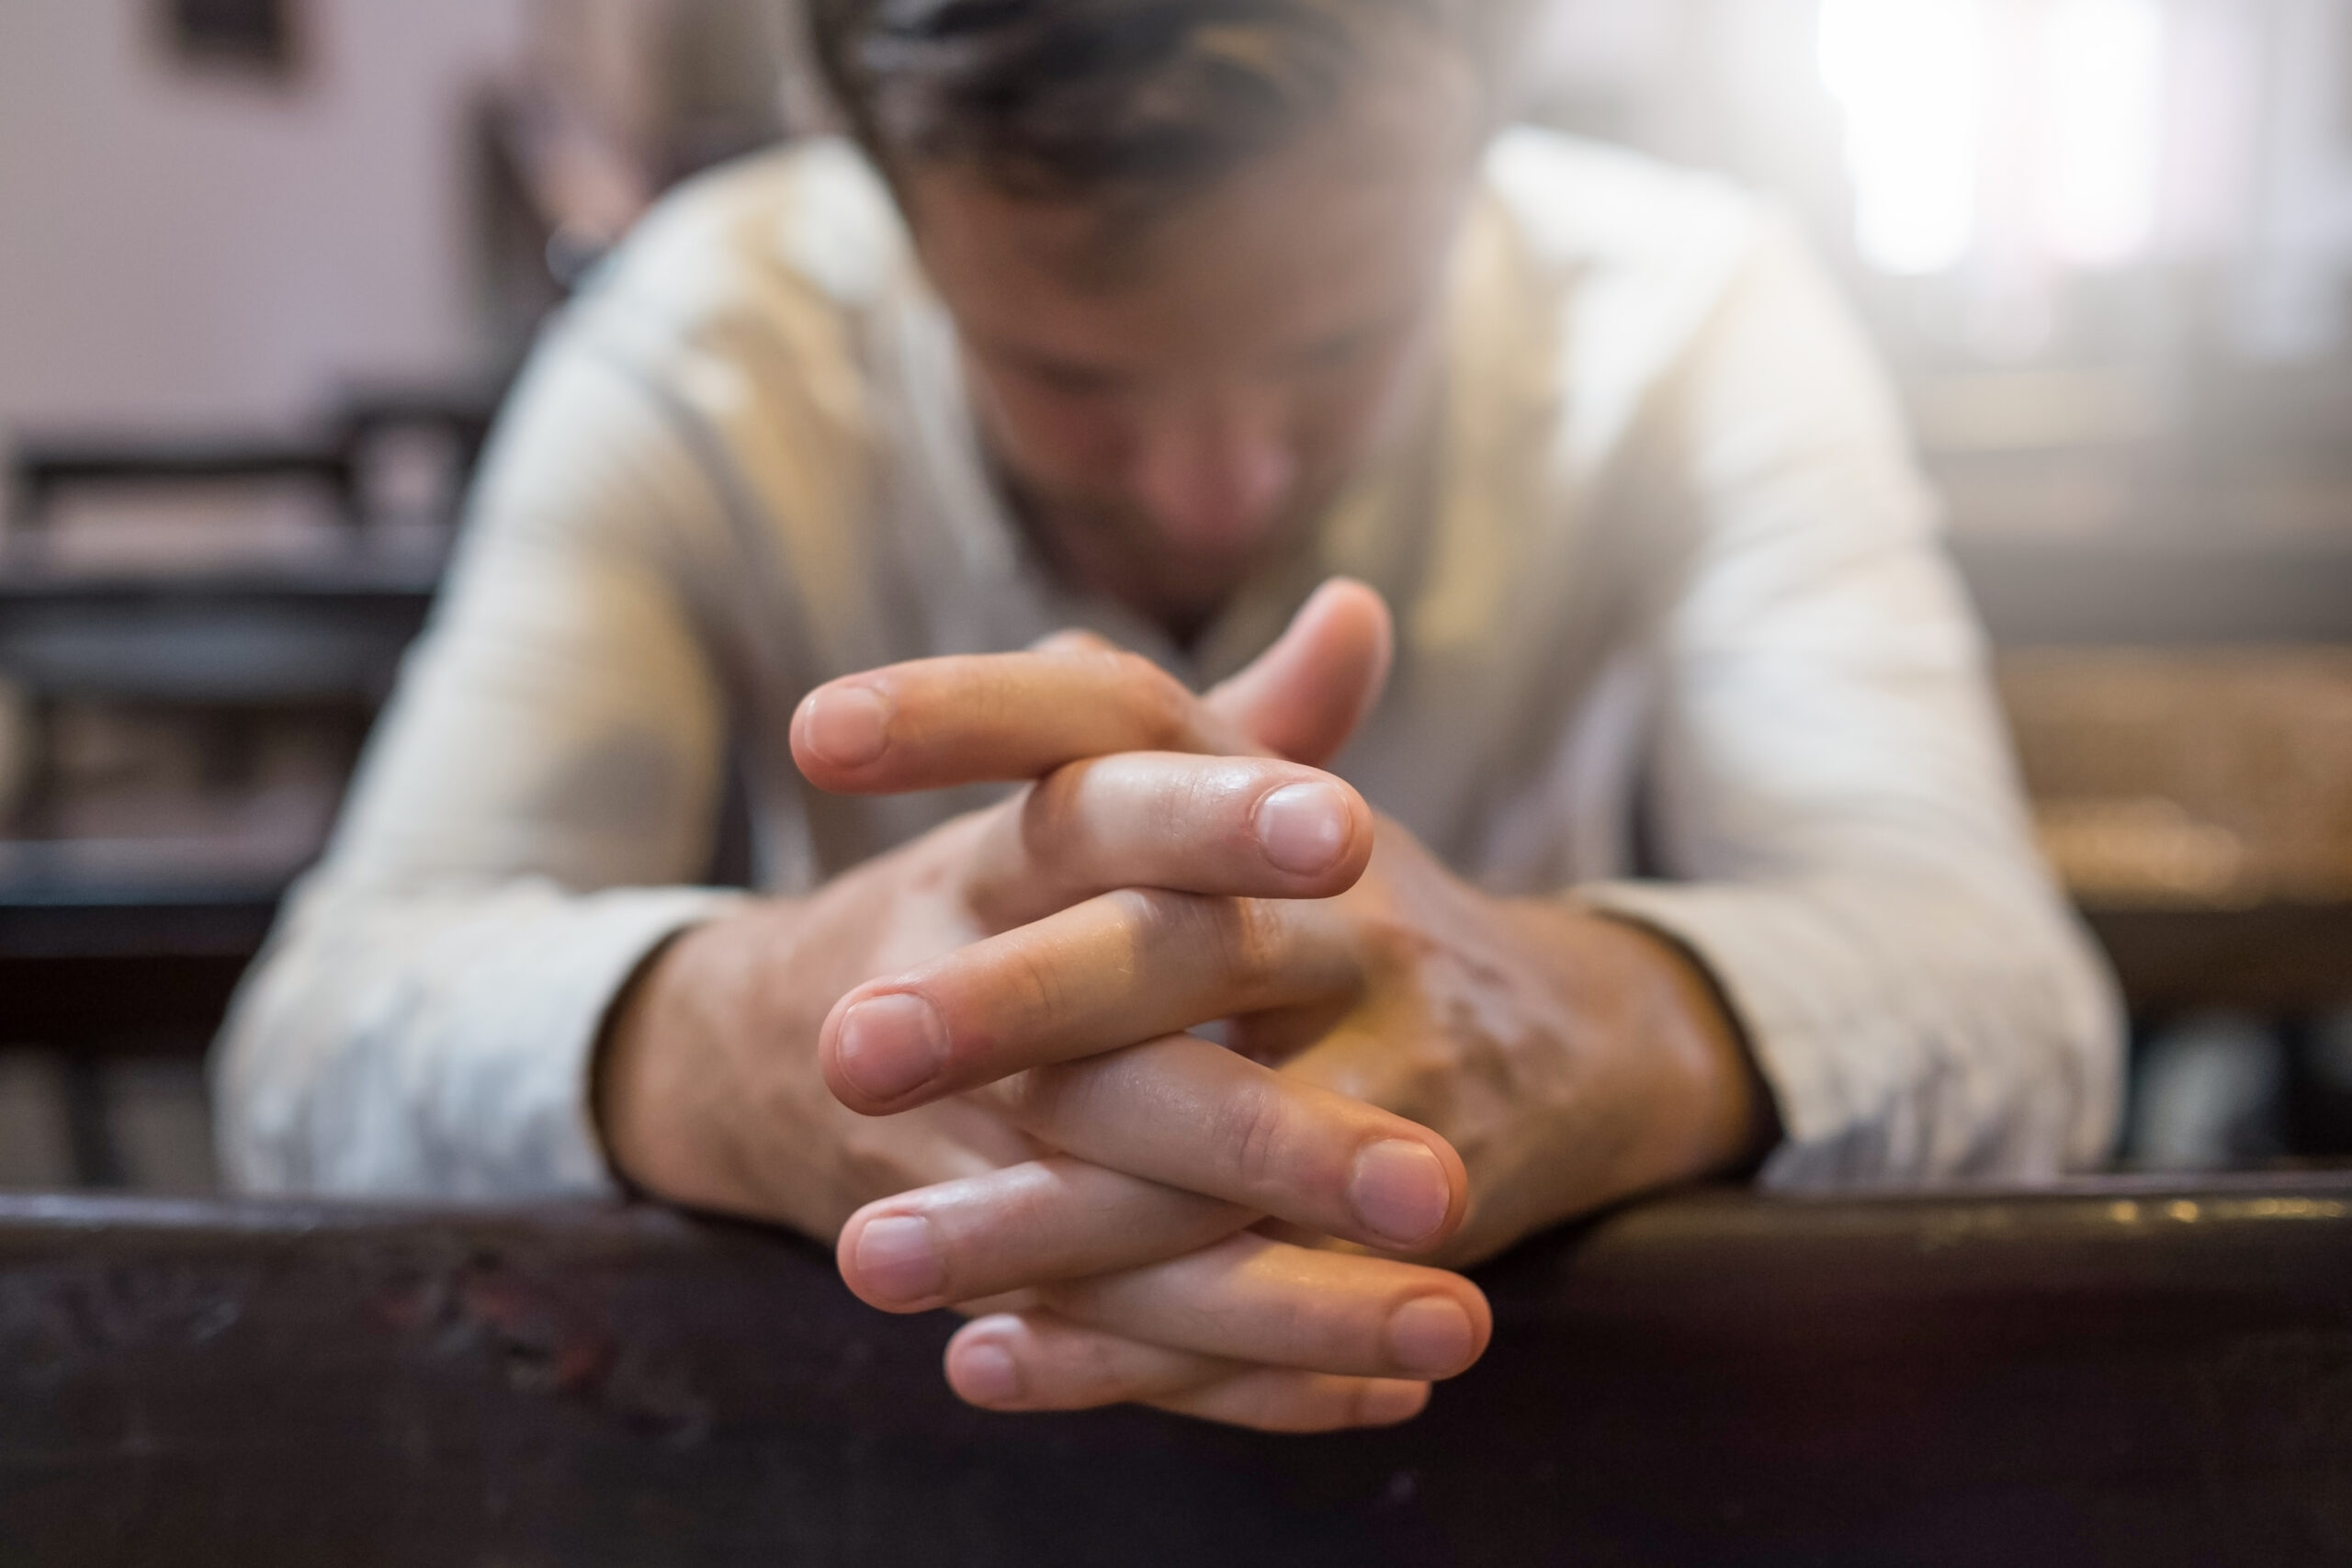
[
  {"x": 1385, "y": 1402},
  {"x": 1431, "y": 1336},
  {"x": 987, "y": 1374},
  {"x": 848, "y": 725},
  {"x": 1399, "y": 1191},
  {"x": 1304, "y": 828},
  {"x": 897, "y": 1260},
  {"x": 890, "y": 1045}
]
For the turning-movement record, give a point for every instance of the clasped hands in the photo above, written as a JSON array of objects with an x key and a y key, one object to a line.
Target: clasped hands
[{"x": 1006, "y": 1108}]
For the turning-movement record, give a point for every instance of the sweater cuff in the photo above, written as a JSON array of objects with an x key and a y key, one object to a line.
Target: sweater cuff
[
  {"x": 533, "y": 1008},
  {"x": 1782, "y": 970},
  {"x": 619, "y": 933}
]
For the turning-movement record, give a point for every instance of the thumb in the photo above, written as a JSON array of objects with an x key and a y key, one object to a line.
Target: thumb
[{"x": 1304, "y": 697}]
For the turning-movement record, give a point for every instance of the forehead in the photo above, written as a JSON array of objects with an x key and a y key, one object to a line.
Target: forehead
[{"x": 1349, "y": 221}]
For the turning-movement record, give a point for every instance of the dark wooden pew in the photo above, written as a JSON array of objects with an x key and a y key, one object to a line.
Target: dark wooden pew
[
  {"x": 132, "y": 947},
  {"x": 39, "y": 475},
  {"x": 2112, "y": 1373},
  {"x": 2187, "y": 594},
  {"x": 128, "y": 949},
  {"x": 2214, "y": 588}
]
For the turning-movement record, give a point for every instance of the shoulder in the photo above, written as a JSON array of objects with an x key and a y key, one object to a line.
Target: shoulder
[
  {"x": 1618, "y": 272},
  {"x": 725, "y": 347},
  {"x": 1645, "y": 247},
  {"x": 805, "y": 228},
  {"x": 1580, "y": 205}
]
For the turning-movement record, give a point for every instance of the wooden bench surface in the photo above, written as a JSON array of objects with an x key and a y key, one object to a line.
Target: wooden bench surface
[{"x": 2114, "y": 1372}]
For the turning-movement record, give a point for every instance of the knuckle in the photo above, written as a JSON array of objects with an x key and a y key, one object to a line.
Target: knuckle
[
  {"x": 1255, "y": 1134},
  {"x": 1035, "y": 982},
  {"x": 1240, "y": 941},
  {"x": 1192, "y": 809},
  {"x": 1192, "y": 796},
  {"x": 1276, "y": 1403},
  {"x": 1156, "y": 919},
  {"x": 1027, "y": 1099},
  {"x": 1052, "y": 822},
  {"x": 1392, "y": 939},
  {"x": 1024, "y": 1215},
  {"x": 1160, "y": 702},
  {"x": 1096, "y": 1368},
  {"x": 1052, "y": 1103},
  {"x": 870, "y": 1158},
  {"x": 1248, "y": 938}
]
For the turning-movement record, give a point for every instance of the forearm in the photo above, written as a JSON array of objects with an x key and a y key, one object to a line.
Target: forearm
[{"x": 666, "y": 1066}]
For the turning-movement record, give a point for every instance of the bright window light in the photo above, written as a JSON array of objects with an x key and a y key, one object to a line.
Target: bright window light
[
  {"x": 2101, "y": 124},
  {"x": 1909, "y": 76}
]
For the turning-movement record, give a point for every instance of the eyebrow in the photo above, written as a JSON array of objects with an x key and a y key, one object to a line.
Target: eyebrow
[
  {"x": 1329, "y": 346},
  {"x": 1055, "y": 368}
]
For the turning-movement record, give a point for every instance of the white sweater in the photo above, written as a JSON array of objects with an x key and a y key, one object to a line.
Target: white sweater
[{"x": 1674, "y": 634}]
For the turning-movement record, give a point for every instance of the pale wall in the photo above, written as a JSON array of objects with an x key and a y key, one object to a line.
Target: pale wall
[{"x": 186, "y": 252}]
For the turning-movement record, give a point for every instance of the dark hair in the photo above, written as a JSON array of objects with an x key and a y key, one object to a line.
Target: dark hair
[{"x": 1079, "y": 97}]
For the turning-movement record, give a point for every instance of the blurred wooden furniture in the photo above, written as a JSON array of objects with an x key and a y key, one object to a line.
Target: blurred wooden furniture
[
  {"x": 324, "y": 632},
  {"x": 40, "y": 475},
  {"x": 2222, "y": 589},
  {"x": 2199, "y": 803},
  {"x": 2184, "y": 718},
  {"x": 197, "y": 614},
  {"x": 318, "y": 637},
  {"x": 339, "y": 462},
  {"x": 2115, "y": 1373},
  {"x": 133, "y": 944}
]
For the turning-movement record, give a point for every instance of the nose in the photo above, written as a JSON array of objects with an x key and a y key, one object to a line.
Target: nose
[{"x": 1216, "y": 476}]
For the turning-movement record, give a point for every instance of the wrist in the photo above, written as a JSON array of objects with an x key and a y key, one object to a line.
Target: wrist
[
  {"x": 662, "y": 1082},
  {"x": 1718, "y": 1117},
  {"x": 624, "y": 1075}
]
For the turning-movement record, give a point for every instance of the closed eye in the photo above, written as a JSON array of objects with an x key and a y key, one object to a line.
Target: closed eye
[{"x": 1069, "y": 380}]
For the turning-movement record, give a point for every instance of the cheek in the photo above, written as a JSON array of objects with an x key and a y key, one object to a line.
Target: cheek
[
  {"x": 1343, "y": 419},
  {"x": 1064, "y": 443}
]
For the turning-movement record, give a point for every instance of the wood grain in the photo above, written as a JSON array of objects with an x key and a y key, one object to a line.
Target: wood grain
[{"x": 2119, "y": 1372}]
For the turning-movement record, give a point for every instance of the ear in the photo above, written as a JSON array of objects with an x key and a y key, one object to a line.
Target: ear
[{"x": 1304, "y": 697}]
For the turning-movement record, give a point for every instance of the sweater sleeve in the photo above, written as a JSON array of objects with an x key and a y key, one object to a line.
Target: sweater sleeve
[
  {"x": 542, "y": 785},
  {"x": 1833, "y": 794}
]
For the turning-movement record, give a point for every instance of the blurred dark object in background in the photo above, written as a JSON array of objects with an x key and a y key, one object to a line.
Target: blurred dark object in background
[
  {"x": 2192, "y": 780},
  {"x": 2197, "y": 804},
  {"x": 252, "y": 35},
  {"x": 196, "y": 639},
  {"x": 616, "y": 101}
]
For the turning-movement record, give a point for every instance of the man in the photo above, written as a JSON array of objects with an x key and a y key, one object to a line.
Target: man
[{"x": 1667, "y": 831}]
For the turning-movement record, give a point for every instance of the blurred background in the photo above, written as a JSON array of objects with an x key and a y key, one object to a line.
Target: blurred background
[{"x": 266, "y": 265}]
